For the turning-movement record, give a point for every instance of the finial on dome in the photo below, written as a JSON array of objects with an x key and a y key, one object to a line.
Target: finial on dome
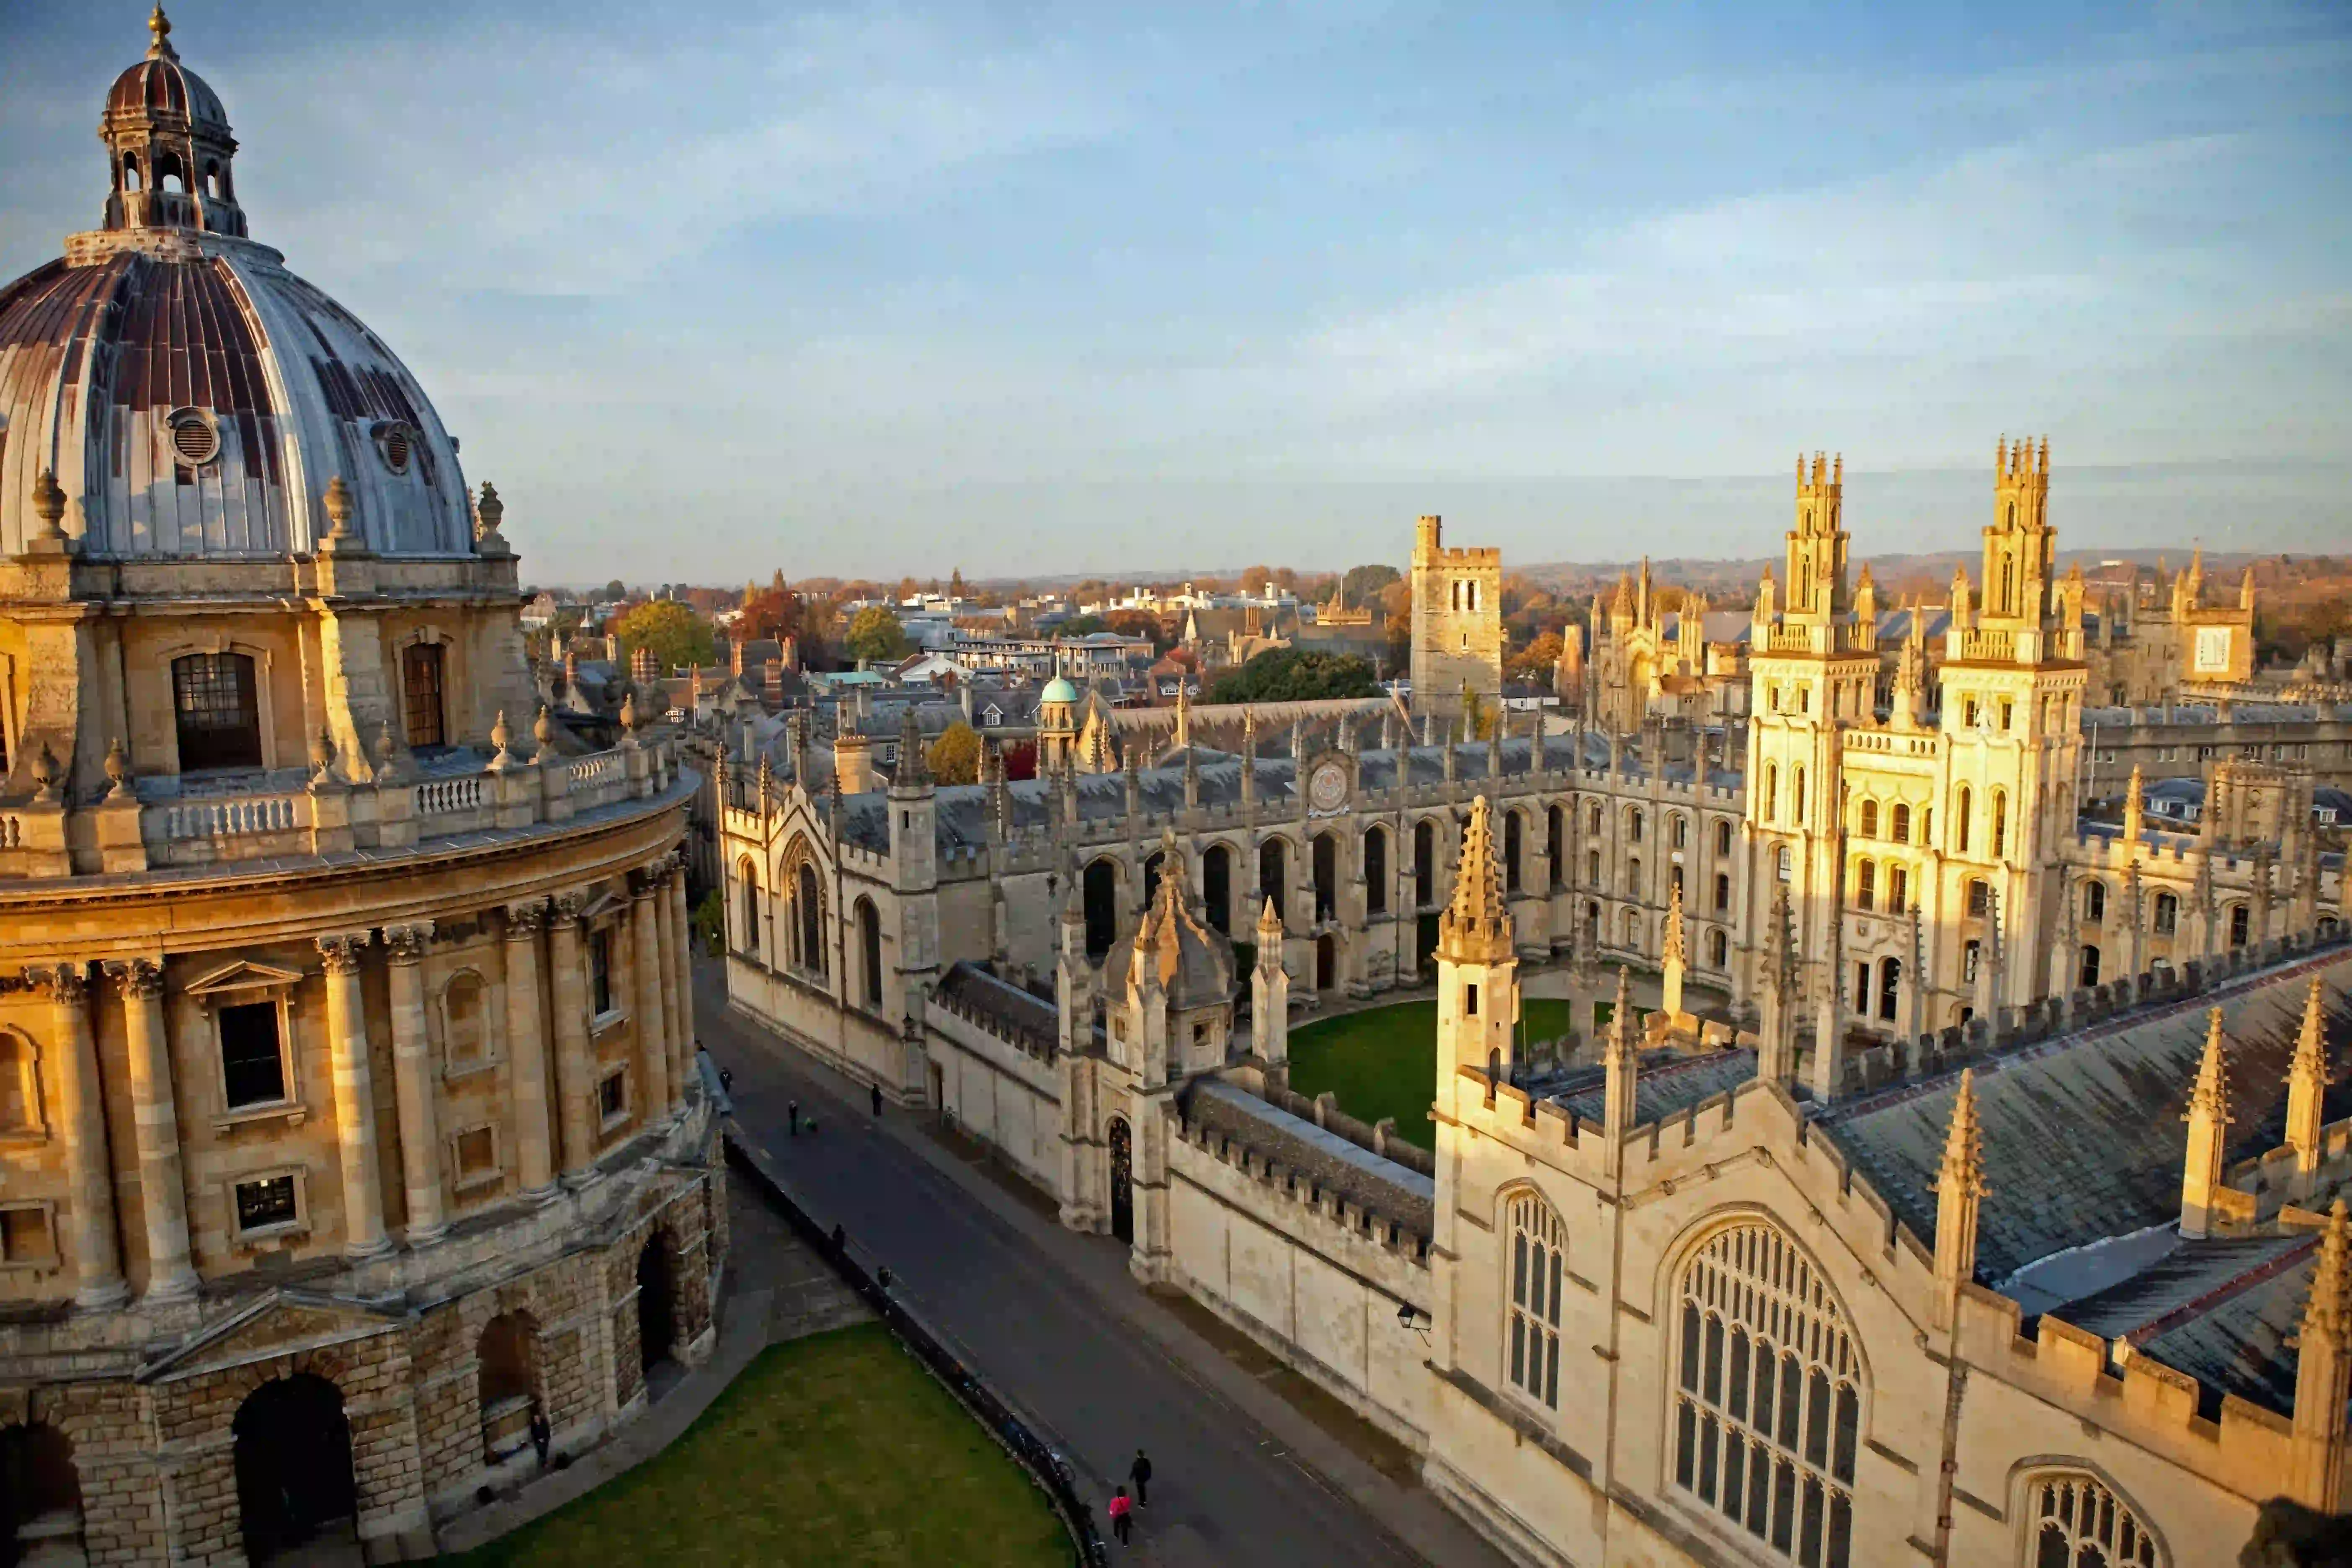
[
  {"x": 339, "y": 508},
  {"x": 491, "y": 511},
  {"x": 159, "y": 26},
  {"x": 48, "y": 505}
]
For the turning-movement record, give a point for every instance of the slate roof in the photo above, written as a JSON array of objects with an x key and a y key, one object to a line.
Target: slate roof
[
  {"x": 2083, "y": 1135},
  {"x": 1666, "y": 1083},
  {"x": 1008, "y": 1010}
]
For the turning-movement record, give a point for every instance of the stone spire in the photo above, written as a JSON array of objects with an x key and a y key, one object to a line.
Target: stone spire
[
  {"x": 2207, "y": 1116},
  {"x": 1183, "y": 712},
  {"x": 2323, "y": 1374},
  {"x": 2134, "y": 806},
  {"x": 1776, "y": 1044},
  {"x": 914, "y": 770},
  {"x": 1269, "y": 993},
  {"x": 1960, "y": 1185},
  {"x": 1621, "y": 1061},
  {"x": 2308, "y": 1081},
  {"x": 1673, "y": 957},
  {"x": 1476, "y": 924}
]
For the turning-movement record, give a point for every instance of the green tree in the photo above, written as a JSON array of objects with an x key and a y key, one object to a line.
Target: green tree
[
  {"x": 671, "y": 629},
  {"x": 1360, "y": 588},
  {"x": 876, "y": 634},
  {"x": 1294, "y": 675},
  {"x": 954, "y": 757},
  {"x": 617, "y": 590}
]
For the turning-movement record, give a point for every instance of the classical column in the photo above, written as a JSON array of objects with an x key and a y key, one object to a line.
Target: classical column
[
  {"x": 527, "y": 1052},
  {"x": 682, "y": 955},
  {"x": 676, "y": 1048},
  {"x": 162, "y": 1192},
  {"x": 98, "y": 1257},
  {"x": 645, "y": 900},
  {"x": 412, "y": 1082},
  {"x": 574, "y": 1092},
  {"x": 347, "y": 1044}
]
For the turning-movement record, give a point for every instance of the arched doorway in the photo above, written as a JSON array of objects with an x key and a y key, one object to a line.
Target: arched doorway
[
  {"x": 1327, "y": 962},
  {"x": 294, "y": 1481},
  {"x": 1100, "y": 895},
  {"x": 506, "y": 1380},
  {"x": 1122, "y": 1180},
  {"x": 40, "y": 1496},
  {"x": 656, "y": 1320},
  {"x": 1217, "y": 887}
]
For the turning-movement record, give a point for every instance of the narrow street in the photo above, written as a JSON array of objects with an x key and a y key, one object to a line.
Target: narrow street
[{"x": 1055, "y": 1323}]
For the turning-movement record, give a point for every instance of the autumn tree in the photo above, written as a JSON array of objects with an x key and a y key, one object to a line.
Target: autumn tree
[
  {"x": 676, "y": 634},
  {"x": 1360, "y": 588},
  {"x": 876, "y": 636},
  {"x": 954, "y": 757}
]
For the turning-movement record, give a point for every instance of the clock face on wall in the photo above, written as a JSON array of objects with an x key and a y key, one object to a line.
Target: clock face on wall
[{"x": 1327, "y": 788}]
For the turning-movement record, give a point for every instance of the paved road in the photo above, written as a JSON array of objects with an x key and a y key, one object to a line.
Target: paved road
[{"x": 1053, "y": 1320}]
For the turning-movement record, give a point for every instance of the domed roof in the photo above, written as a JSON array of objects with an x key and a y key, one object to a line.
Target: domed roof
[
  {"x": 1195, "y": 962},
  {"x": 193, "y": 397},
  {"x": 1058, "y": 689}
]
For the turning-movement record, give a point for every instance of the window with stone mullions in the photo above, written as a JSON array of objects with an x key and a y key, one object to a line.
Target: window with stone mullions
[
  {"x": 1767, "y": 1411},
  {"x": 2078, "y": 1523},
  {"x": 1537, "y": 1241}
]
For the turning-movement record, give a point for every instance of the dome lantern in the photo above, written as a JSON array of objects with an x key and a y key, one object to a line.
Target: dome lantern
[{"x": 168, "y": 143}]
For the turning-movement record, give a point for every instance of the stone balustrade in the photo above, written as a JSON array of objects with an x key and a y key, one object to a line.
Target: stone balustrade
[{"x": 324, "y": 818}]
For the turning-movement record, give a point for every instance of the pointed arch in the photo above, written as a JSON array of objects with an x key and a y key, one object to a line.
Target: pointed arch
[
  {"x": 2069, "y": 1509},
  {"x": 1533, "y": 1266}
]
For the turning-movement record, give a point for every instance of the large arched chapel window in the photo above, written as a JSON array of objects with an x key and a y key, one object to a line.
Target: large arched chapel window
[
  {"x": 1768, "y": 1402},
  {"x": 217, "y": 710},
  {"x": 1538, "y": 1244},
  {"x": 2077, "y": 1522},
  {"x": 811, "y": 914}
]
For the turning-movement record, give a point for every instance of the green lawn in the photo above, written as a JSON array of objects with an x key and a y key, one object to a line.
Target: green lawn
[
  {"x": 1383, "y": 1061},
  {"x": 835, "y": 1449}
]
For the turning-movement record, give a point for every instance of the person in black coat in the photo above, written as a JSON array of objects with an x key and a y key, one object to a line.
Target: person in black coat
[{"x": 1139, "y": 1473}]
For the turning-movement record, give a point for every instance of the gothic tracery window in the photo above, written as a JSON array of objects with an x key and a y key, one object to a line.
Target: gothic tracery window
[
  {"x": 1768, "y": 1408},
  {"x": 1538, "y": 1241},
  {"x": 2077, "y": 1522}
]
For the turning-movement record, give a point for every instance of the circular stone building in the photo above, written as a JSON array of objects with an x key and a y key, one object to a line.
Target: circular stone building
[{"x": 349, "y": 1108}]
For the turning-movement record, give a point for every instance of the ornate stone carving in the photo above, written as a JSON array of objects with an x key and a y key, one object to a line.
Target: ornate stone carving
[
  {"x": 523, "y": 920},
  {"x": 569, "y": 905},
  {"x": 341, "y": 950},
  {"x": 406, "y": 944},
  {"x": 141, "y": 977},
  {"x": 67, "y": 984}
]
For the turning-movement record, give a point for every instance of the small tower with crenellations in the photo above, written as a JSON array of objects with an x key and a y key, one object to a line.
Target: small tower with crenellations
[{"x": 1457, "y": 624}]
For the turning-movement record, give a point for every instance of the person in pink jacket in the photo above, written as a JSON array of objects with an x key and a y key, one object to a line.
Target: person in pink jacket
[{"x": 1122, "y": 1515}]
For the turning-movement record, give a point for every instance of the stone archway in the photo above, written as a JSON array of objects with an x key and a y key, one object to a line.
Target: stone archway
[
  {"x": 1122, "y": 1180},
  {"x": 40, "y": 1496},
  {"x": 295, "y": 1485},
  {"x": 1327, "y": 962},
  {"x": 657, "y": 1304},
  {"x": 507, "y": 1383}
]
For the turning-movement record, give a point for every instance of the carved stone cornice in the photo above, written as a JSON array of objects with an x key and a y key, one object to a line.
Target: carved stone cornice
[
  {"x": 569, "y": 905},
  {"x": 341, "y": 950},
  {"x": 646, "y": 881},
  {"x": 140, "y": 977},
  {"x": 523, "y": 920},
  {"x": 406, "y": 944}
]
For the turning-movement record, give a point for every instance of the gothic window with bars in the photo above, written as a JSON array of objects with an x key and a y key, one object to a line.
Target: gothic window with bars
[
  {"x": 1768, "y": 1409},
  {"x": 1538, "y": 1241},
  {"x": 2077, "y": 1522}
]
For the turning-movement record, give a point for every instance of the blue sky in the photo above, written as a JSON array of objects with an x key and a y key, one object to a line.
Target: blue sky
[{"x": 710, "y": 289}]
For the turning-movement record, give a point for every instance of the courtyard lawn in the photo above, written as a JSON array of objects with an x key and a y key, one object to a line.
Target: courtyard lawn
[
  {"x": 1383, "y": 1060},
  {"x": 837, "y": 1448}
]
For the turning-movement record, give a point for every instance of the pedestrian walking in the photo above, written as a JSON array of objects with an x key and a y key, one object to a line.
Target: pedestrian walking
[
  {"x": 542, "y": 1435},
  {"x": 1139, "y": 1473},
  {"x": 1122, "y": 1514},
  {"x": 792, "y": 1118},
  {"x": 876, "y": 1091}
]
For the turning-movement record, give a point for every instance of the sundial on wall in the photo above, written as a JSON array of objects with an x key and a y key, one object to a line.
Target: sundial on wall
[{"x": 1327, "y": 789}]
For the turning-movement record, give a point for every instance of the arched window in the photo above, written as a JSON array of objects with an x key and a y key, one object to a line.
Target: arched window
[
  {"x": 1217, "y": 886},
  {"x": 1767, "y": 1407},
  {"x": 1511, "y": 851},
  {"x": 1902, "y": 834},
  {"x": 869, "y": 951},
  {"x": 2077, "y": 1522},
  {"x": 40, "y": 1495},
  {"x": 2168, "y": 914},
  {"x": 812, "y": 920},
  {"x": 422, "y": 706},
  {"x": 1539, "y": 1243},
  {"x": 1865, "y": 885},
  {"x": 1962, "y": 814},
  {"x": 130, "y": 172},
  {"x": 1633, "y": 878},
  {"x": 2000, "y": 824},
  {"x": 1780, "y": 861},
  {"x": 1376, "y": 871},
  {"x": 1633, "y": 824},
  {"x": 2095, "y": 901},
  {"x": 748, "y": 877},
  {"x": 2088, "y": 975},
  {"x": 1556, "y": 845},
  {"x": 1633, "y": 929},
  {"x": 1099, "y": 896},
  {"x": 1325, "y": 854},
  {"x": 1719, "y": 948},
  {"x": 1680, "y": 831},
  {"x": 1898, "y": 889},
  {"x": 1592, "y": 819},
  {"x": 217, "y": 712},
  {"x": 1722, "y": 892},
  {"x": 1593, "y": 867},
  {"x": 1870, "y": 819},
  {"x": 1890, "y": 987},
  {"x": 1723, "y": 838},
  {"x": 1272, "y": 877},
  {"x": 20, "y": 1084},
  {"x": 1771, "y": 790},
  {"x": 1797, "y": 800},
  {"x": 1424, "y": 864},
  {"x": 1980, "y": 898}
]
